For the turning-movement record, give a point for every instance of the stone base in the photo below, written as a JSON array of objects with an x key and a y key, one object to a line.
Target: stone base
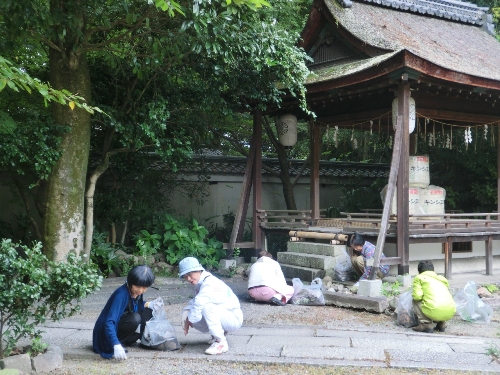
[
  {"x": 373, "y": 304},
  {"x": 227, "y": 263},
  {"x": 370, "y": 288}
]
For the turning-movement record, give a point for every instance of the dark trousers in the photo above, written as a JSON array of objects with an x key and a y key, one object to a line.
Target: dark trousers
[{"x": 127, "y": 326}]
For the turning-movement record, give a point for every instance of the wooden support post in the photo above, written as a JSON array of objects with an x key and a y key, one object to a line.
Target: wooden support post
[
  {"x": 315, "y": 152},
  {"x": 403, "y": 208},
  {"x": 257, "y": 180},
  {"x": 448, "y": 250},
  {"x": 498, "y": 173},
  {"x": 489, "y": 255},
  {"x": 391, "y": 186},
  {"x": 244, "y": 197}
]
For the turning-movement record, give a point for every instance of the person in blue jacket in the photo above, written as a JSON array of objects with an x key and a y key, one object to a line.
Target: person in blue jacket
[{"x": 123, "y": 319}]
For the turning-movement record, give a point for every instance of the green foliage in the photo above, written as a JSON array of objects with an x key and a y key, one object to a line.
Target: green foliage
[
  {"x": 148, "y": 244},
  {"x": 35, "y": 289},
  {"x": 391, "y": 289},
  {"x": 16, "y": 79},
  {"x": 182, "y": 239},
  {"x": 37, "y": 346},
  {"x": 492, "y": 288},
  {"x": 494, "y": 351},
  {"x": 103, "y": 254}
]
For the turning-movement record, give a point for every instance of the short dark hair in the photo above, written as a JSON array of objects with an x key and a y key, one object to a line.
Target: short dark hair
[
  {"x": 140, "y": 276},
  {"x": 357, "y": 239},
  {"x": 264, "y": 253},
  {"x": 425, "y": 265}
]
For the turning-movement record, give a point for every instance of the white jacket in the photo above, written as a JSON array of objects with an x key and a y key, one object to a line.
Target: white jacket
[
  {"x": 267, "y": 272},
  {"x": 210, "y": 289}
]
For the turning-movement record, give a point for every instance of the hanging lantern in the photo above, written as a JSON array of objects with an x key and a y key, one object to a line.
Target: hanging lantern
[
  {"x": 412, "y": 113},
  {"x": 287, "y": 130}
]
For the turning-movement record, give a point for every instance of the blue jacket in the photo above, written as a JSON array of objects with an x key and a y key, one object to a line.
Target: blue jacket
[{"x": 106, "y": 327}]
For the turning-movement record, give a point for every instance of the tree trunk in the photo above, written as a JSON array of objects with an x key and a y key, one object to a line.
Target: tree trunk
[{"x": 64, "y": 207}]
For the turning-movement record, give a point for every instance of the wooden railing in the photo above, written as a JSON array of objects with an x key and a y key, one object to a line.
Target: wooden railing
[{"x": 284, "y": 218}]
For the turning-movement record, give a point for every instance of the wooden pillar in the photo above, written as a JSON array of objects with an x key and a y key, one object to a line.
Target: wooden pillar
[
  {"x": 403, "y": 208},
  {"x": 448, "y": 251},
  {"x": 488, "y": 254},
  {"x": 257, "y": 180},
  {"x": 498, "y": 172},
  {"x": 315, "y": 152}
]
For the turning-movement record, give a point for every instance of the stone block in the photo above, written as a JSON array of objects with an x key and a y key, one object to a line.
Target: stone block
[
  {"x": 240, "y": 260},
  {"x": 46, "y": 362},
  {"x": 226, "y": 263},
  {"x": 320, "y": 262},
  {"x": 316, "y": 248},
  {"x": 404, "y": 280},
  {"x": 56, "y": 349},
  {"x": 253, "y": 259},
  {"x": 370, "y": 288},
  {"x": 303, "y": 273},
  {"x": 22, "y": 362},
  {"x": 354, "y": 301}
]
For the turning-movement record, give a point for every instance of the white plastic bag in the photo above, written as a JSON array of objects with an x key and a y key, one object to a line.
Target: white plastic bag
[
  {"x": 343, "y": 269},
  {"x": 469, "y": 305},
  {"x": 310, "y": 295},
  {"x": 406, "y": 316},
  {"x": 158, "y": 330}
]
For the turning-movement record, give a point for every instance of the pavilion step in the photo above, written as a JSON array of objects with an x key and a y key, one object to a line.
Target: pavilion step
[
  {"x": 304, "y": 273},
  {"x": 321, "y": 262},
  {"x": 315, "y": 248}
]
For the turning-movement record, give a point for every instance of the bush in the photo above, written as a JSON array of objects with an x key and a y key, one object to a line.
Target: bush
[
  {"x": 35, "y": 289},
  {"x": 181, "y": 239}
]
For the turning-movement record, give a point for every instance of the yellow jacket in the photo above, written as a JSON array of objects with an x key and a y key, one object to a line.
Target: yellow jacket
[{"x": 432, "y": 290}]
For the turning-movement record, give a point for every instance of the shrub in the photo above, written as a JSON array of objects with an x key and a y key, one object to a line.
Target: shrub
[
  {"x": 35, "y": 289},
  {"x": 181, "y": 239}
]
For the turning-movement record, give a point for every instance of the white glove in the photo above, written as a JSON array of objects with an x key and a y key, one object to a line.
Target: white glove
[
  {"x": 156, "y": 304},
  {"x": 119, "y": 352}
]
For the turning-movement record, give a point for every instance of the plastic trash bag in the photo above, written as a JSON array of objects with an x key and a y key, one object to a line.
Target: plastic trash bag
[
  {"x": 469, "y": 305},
  {"x": 406, "y": 316},
  {"x": 310, "y": 295},
  {"x": 343, "y": 269},
  {"x": 159, "y": 330}
]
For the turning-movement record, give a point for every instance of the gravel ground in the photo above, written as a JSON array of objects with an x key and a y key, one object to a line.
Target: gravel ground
[{"x": 263, "y": 314}]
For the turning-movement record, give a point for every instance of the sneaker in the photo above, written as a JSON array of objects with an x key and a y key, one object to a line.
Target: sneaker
[
  {"x": 212, "y": 339},
  {"x": 277, "y": 301},
  {"x": 441, "y": 326},
  {"x": 424, "y": 327},
  {"x": 217, "y": 348}
]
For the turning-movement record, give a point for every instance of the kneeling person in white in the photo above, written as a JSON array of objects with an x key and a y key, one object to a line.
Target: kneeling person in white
[{"x": 215, "y": 309}]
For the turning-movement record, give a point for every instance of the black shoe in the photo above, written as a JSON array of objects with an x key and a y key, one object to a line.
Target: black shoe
[
  {"x": 441, "y": 326},
  {"x": 277, "y": 302}
]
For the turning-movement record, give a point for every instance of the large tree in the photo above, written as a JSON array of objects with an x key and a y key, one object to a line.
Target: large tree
[{"x": 143, "y": 36}]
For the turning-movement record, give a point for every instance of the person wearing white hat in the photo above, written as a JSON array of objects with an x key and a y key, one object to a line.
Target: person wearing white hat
[{"x": 215, "y": 309}]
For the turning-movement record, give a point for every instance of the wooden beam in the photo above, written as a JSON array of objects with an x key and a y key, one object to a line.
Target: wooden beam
[
  {"x": 403, "y": 208},
  {"x": 391, "y": 187},
  {"x": 474, "y": 118},
  {"x": 315, "y": 151},
  {"x": 448, "y": 250},
  {"x": 488, "y": 254},
  {"x": 241, "y": 245},
  {"x": 498, "y": 174},
  {"x": 257, "y": 181},
  {"x": 245, "y": 193}
]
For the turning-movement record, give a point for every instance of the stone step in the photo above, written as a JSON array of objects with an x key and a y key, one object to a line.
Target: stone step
[
  {"x": 321, "y": 262},
  {"x": 304, "y": 273},
  {"x": 315, "y": 248}
]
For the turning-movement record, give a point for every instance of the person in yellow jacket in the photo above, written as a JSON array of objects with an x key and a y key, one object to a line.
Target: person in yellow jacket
[{"x": 432, "y": 300}]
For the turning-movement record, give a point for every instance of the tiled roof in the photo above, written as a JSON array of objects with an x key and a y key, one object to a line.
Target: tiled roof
[
  {"x": 456, "y": 46},
  {"x": 232, "y": 165}
]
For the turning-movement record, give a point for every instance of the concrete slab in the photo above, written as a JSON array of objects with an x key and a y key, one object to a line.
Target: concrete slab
[
  {"x": 304, "y": 341},
  {"x": 316, "y": 248},
  {"x": 470, "y": 348},
  {"x": 360, "y": 334},
  {"x": 303, "y": 273},
  {"x": 322, "y": 262},
  {"x": 359, "y": 354},
  {"x": 398, "y": 355},
  {"x": 390, "y": 343},
  {"x": 374, "y": 304}
]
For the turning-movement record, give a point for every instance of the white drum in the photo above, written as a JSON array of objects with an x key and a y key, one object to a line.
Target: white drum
[
  {"x": 432, "y": 200},
  {"x": 413, "y": 198}
]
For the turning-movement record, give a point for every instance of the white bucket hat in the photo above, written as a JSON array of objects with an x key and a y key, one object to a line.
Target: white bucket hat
[{"x": 189, "y": 264}]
